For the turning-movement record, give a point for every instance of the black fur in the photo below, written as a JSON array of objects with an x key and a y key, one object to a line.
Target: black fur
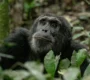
[{"x": 60, "y": 41}]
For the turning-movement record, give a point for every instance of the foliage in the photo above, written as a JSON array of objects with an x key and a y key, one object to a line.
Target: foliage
[
  {"x": 69, "y": 70},
  {"x": 51, "y": 63},
  {"x": 4, "y": 19},
  {"x": 28, "y": 6},
  {"x": 80, "y": 21}
]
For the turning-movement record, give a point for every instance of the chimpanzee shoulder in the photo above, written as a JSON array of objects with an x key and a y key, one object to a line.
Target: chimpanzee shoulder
[{"x": 17, "y": 46}]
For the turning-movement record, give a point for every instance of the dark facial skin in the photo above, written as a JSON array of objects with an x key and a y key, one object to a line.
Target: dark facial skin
[{"x": 44, "y": 37}]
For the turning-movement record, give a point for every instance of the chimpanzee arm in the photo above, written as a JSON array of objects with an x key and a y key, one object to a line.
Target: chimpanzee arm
[
  {"x": 19, "y": 48},
  {"x": 77, "y": 46}
]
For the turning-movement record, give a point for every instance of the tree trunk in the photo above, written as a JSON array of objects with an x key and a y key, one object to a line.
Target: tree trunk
[{"x": 4, "y": 19}]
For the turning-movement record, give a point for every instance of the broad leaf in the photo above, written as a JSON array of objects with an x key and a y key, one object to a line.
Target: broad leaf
[
  {"x": 49, "y": 62},
  {"x": 64, "y": 64},
  {"x": 87, "y": 71},
  {"x": 78, "y": 58},
  {"x": 71, "y": 74}
]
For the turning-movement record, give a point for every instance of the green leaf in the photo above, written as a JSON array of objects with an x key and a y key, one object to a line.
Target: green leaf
[
  {"x": 83, "y": 33},
  {"x": 78, "y": 58},
  {"x": 77, "y": 28},
  {"x": 9, "y": 44},
  {"x": 6, "y": 56},
  {"x": 64, "y": 64},
  {"x": 15, "y": 74},
  {"x": 71, "y": 74},
  {"x": 87, "y": 71},
  {"x": 35, "y": 70},
  {"x": 84, "y": 17},
  {"x": 86, "y": 77},
  {"x": 34, "y": 66},
  {"x": 78, "y": 35},
  {"x": 1, "y": 71},
  {"x": 49, "y": 62},
  {"x": 28, "y": 6},
  {"x": 6, "y": 77},
  {"x": 86, "y": 41},
  {"x": 57, "y": 58}
]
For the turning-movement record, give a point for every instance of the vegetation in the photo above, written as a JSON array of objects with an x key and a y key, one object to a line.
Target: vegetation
[
  {"x": 4, "y": 19},
  {"x": 23, "y": 12},
  {"x": 70, "y": 70}
]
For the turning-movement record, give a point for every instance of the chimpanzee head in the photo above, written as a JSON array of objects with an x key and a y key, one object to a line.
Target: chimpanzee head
[{"x": 49, "y": 32}]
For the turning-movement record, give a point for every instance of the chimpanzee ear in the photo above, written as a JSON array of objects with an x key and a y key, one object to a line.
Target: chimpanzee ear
[{"x": 65, "y": 26}]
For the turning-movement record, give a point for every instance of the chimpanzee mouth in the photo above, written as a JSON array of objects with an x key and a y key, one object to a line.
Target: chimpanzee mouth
[
  {"x": 41, "y": 44},
  {"x": 43, "y": 38}
]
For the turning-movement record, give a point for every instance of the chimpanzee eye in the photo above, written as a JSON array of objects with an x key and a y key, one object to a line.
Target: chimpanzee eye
[
  {"x": 53, "y": 23},
  {"x": 43, "y": 21}
]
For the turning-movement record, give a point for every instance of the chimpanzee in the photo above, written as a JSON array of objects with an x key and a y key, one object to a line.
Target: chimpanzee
[{"x": 48, "y": 32}]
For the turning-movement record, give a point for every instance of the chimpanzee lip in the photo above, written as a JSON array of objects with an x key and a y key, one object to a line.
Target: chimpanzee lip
[{"x": 43, "y": 38}]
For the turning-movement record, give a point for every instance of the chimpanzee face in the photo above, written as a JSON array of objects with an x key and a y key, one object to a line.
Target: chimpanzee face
[{"x": 46, "y": 34}]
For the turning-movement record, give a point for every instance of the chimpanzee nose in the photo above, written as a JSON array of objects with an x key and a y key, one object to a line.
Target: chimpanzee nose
[{"x": 44, "y": 30}]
